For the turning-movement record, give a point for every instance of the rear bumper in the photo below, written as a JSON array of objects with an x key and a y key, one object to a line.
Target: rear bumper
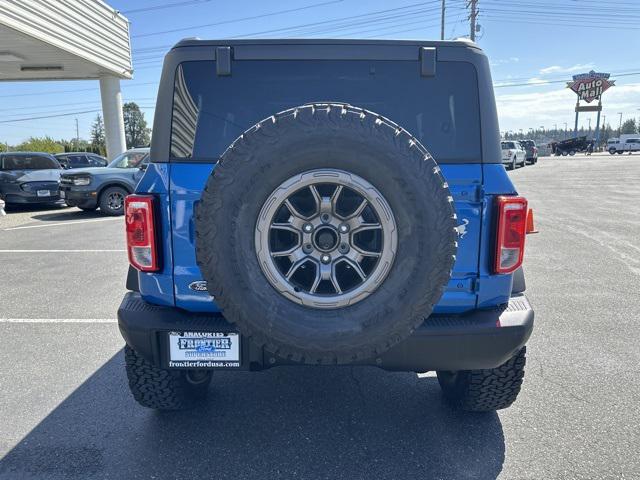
[{"x": 481, "y": 339}]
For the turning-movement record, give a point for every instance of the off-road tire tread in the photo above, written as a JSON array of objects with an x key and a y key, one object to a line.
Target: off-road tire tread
[
  {"x": 488, "y": 390},
  {"x": 157, "y": 388}
]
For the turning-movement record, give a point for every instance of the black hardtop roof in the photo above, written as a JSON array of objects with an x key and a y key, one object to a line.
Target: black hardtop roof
[{"x": 197, "y": 42}]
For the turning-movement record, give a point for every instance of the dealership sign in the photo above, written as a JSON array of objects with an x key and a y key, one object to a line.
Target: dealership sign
[{"x": 589, "y": 86}]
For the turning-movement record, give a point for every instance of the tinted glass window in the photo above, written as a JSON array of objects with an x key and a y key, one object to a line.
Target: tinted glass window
[
  {"x": 508, "y": 145},
  {"x": 211, "y": 111},
  {"x": 76, "y": 161},
  {"x": 27, "y": 162},
  {"x": 97, "y": 161},
  {"x": 128, "y": 160}
]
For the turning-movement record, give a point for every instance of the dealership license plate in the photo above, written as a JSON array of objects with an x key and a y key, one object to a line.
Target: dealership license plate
[
  {"x": 44, "y": 193},
  {"x": 61, "y": 193},
  {"x": 204, "y": 349}
]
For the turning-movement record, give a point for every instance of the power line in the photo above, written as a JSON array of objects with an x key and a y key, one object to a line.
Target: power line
[
  {"x": 61, "y": 115},
  {"x": 73, "y": 104},
  {"x": 162, "y": 7},
  {"x": 297, "y": 27},
  {"x": 242, "y": 19},
  {"x": 549, "y": 82},
  {"x": 93, "y": 89}
]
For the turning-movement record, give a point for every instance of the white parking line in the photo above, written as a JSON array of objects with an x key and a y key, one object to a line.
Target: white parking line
[
  {"x": 58, "y": 320},
  {"x": 57, "y": 224},
  {"x": 60, "y": 251}
]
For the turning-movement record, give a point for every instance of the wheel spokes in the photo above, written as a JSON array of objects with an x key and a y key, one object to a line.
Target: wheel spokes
[{"x": 325, "y": 272}]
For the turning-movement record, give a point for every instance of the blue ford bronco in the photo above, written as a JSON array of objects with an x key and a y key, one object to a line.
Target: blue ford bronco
[{"x": 325, "y": 202}]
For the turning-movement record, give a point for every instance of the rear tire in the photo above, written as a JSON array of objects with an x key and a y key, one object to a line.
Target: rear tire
[
  {"x": 162, "y": 389},
  {"x": 112, "y": 201},
  {"x": 484, "y": 390}
]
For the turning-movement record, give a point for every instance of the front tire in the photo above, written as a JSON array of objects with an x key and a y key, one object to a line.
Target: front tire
[
  {"x": 162, "y": 389},
  {"x": 112, "y": 201},
  {"x": 484, "y": 390}
]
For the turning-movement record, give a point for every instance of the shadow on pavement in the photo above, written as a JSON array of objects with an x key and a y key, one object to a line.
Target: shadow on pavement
[
  {"x": 70, "y": 214},
  {"x": 305, "y": 422},
  {"x": 34, "y": 207}
]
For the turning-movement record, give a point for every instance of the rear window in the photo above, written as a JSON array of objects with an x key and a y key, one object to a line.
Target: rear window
[
  {"x": 211, "y": 111},
  {"x": 508, "y": 145},
  {"x": 27, "y": 162}
]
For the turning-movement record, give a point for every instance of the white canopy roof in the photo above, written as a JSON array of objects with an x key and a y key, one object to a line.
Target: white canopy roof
[{"x": 70, "y": 39}]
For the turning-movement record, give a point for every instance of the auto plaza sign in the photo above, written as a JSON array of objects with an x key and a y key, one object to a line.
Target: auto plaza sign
[{"x": 590, "y": 86}]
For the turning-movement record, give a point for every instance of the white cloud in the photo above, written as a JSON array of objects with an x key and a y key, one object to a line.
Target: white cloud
[
  {"x": 532, "y": 109},
  {"x": 504, "y": 61},
  {"x": 585, "y": 67}
]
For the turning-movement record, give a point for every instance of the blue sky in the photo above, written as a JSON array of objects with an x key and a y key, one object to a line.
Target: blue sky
[{"x": 530, "y": 42}]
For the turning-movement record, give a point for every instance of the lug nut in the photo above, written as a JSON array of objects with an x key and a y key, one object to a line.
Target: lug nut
[
  {"x": 325, "y": 259},
  {"x": 325, "y": 217},
  {"x": 344, "y": 228},
  {"x": 344, "y": 248},
  {"x": 307, "y": 228},
  {"x": 307, "y": 248}
]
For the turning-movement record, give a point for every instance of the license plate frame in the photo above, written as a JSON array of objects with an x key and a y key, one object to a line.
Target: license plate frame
[
  {"x": 194, "y": 349},
  {"x": 43, "y": 193},
  {"x": 62, "y": 194}
]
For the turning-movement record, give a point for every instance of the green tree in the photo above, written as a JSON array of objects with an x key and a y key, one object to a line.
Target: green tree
[
  {"x": 629, "y": 126},
  {"x": 40, "y": 144},
  {"x": 98, "y": 142},
  {"x": 135, "y": 126}
]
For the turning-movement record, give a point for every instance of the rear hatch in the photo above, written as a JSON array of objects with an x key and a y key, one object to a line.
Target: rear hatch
[{"x": 213, "y": 103}]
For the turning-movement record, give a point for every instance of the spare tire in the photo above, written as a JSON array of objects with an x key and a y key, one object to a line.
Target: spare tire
[{"x": 326, "y": 233}]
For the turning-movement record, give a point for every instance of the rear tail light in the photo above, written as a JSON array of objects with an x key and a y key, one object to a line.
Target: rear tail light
[
  {"x": 511, "y": 232},
  {"x": 141, "y": 232}
]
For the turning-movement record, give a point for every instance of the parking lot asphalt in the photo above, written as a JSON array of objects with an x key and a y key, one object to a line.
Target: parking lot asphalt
[{"x": 65, "y": 409}]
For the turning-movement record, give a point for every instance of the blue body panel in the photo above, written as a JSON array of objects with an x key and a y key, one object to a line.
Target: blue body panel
[
  {"x": 157, "y": 287},
  {"x": 185, "y": 182},
  {"x": 492, "y": 289},
  {"x": 178, "y": 187}
]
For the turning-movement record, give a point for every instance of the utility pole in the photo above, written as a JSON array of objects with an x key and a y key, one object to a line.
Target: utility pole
[
  {"x": 472, "y": 19},
  {"x": 620, "y": 127},
  {"x": 442, "y": 22},
  {"x": 77, "y": 135}
]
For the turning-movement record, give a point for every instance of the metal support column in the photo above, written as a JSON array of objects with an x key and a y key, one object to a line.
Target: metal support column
[
  {"x": 112, "y": 112},
  {"x": 597, "y": 140},
  {"x": 575, "y": 128}
]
